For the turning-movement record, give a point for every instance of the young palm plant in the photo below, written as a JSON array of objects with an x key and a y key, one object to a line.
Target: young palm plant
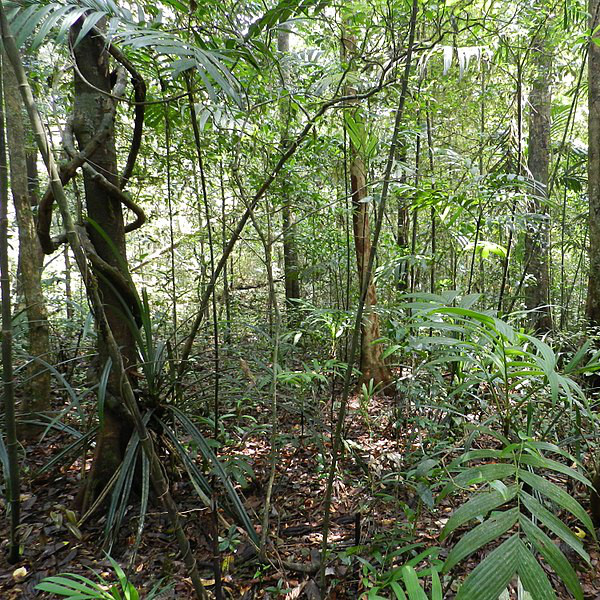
[
  {"x": 515, "y": 499},
  {"x": 511, "y": 383}
]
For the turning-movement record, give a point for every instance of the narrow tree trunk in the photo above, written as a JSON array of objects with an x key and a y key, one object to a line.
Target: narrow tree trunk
[
  {"x": 36, "y": 397},
  {"x": 429, "y": 124},
  {"x": 8, "y": 397},
  {"x": 414, "y": 271},
  {"x": 68, "y": 285},
  {"x": 291, "y": 265},
  {"x": 105, "y": 210},
  {"x": 593, "y": 295},
  {"x": 402, "y": 230},
  {"x": 372, "y": 365},
  {"x": 537, "y": 292}
]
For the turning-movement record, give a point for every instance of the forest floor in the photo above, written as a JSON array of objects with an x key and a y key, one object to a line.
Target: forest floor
[{"x": 366, "y": 486}]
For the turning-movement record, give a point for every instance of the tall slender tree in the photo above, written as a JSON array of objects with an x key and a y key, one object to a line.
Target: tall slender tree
[
  {"x": 291, "y": 266},
  {"x": 372, "y": 365},
  {"x": 31, "y": 258},
  {"x": 593, "y": 294},
  {"x": 8, "y": 395},
  {"x": 537, "y": 293}
]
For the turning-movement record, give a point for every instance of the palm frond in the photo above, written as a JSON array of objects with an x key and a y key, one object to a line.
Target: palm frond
[{"x": 32, "y": 23}]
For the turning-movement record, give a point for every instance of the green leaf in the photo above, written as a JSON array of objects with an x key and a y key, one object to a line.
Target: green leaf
[
  {"x": 532, "y": 575},
  {"x": 70, "y": 450},
  {"x": 411, "y": 581},
  {"x": 89, "y": 22},
  {"x": 398, "y": 591},
  {"x": 218, "y": 467},
  {"x": 553, "y": 556},
  {"x": 436, "y": 586},
  {"x": 30, "y": 22},
  {"x": 67, "y": 585},
  {"x": 554, "y": 524},
  {"x": 546, "y": 463},
  {"x": 493, "y": 574},
  {"x": 579, "y": 355},
  {"x": 558, "y": 495},
  {"x": 477, "y": 506},
  {"x": 498, "y": 524},
  {"x": 479, "y": 474}
]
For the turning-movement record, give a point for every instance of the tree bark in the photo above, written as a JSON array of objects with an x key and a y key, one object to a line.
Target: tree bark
[
  {"x": 372, "y": 365},
  {"x": 537, "y": 292},
  {"x": 593, "y": 295},
  {"x": 13, "y": 483},
  {"x": 105, "y": 210},
  {"x": 36, "y": 397},
  {"x": 291, "y": 267}
]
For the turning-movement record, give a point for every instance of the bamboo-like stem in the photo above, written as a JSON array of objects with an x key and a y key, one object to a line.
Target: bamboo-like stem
[
  {"x": 171, "y": 230},
  {"x": 506, "y": 266},
  {"x": 157, "y": 474},
  {"x": 215, "y": 322}
]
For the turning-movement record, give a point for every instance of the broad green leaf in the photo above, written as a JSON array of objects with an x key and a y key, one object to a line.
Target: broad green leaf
[
  {"x": 66, "y": 584},
  {"x": 553, "y": 556},
  {"x": 493, "y": 574},
  {"x": 532, "y": 575},
  {"x": 552, "y": 465},
  {"x": 398, "y": 591},
  {"x": 478, "y": 506},
  {"x": 558, "y": 495},
  {"x": 498, "y": 524},
  {"x": 554, "y": 524},
  {"x": 71, "y": 450},
  {"x": 89, "y": 22},
  {"x": 473, "y": 455},
  {"x": 218, "y": 467},
  {"x": 579, "y": 355},
  {"x": 411, "y": 581},
  {"x": 549, "y": 447},
  {"x": 30, "y": 23},
  {"x": 24, "y": 17},
  {"x": 48, "y": 24},
  {"x": 479, "y": 474},
  {"x": 436, "y": 587}
]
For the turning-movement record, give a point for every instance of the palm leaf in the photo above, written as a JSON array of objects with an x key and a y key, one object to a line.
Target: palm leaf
[
  {"x": 477, "y": 506},
  {"x": 209, "y": 455},
  {"x": 553, "y": 556},
  {"x": 489, "y": 530},
  {"x": 493, "y": 574}
]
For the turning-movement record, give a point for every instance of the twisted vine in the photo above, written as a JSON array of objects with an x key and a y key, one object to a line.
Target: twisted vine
[{"x": 81, "y": 159}]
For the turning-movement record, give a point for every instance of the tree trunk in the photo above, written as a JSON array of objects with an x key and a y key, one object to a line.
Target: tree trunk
[
  {"x": 106, "y": 211},
  {"x": 36, "y": 397},
  {"x": 402, "y": 229},
  {"x": 537, "y": 292},
  {"x": 12, "y": 478},
  {"x": 290, "y": 250},
  {"x": 372, "y": 365},
  {"x": 593, "y": 295}
]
